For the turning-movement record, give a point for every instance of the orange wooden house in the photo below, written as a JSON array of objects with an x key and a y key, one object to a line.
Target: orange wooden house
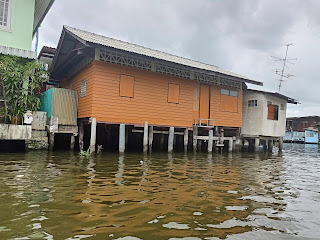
[{"x": 123, "y": 83}]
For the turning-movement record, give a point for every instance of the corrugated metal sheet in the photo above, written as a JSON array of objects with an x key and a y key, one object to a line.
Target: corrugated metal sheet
[
  {"x": 61, "y": 103},
  {"x": 129, "y": 47},
  {"x": 65, "y": 106},
  {"x": 18, "y": 52},
  {"x": 46, "y": 102},
  {"x": 41, "y": 9}
]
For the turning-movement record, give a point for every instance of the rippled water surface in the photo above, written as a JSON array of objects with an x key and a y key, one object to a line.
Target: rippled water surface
[{"x": 159, "y": 196}]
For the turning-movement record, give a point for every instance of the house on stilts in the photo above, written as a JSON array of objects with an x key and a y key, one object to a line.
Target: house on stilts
[
  {"x": 264, "y": 118},
  {"x": 129, "y": 95}
]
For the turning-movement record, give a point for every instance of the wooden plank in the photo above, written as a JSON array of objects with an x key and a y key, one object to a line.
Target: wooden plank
[{"x": 173, "y": 93}]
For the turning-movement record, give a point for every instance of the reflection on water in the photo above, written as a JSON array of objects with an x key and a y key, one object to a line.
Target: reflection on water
[{"x": 159, "y": 196}]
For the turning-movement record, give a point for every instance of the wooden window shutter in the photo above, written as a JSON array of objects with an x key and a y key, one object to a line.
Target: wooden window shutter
[
  {"x": 270, "y": 111},
  {"x": 228, "y": 103},
  {"x": 173, "y": 93},
  {"x": 126, "y": 86}
]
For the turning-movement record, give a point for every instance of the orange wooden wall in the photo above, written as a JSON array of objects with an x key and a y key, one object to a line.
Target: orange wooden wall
[
  {"x": 85, "y": 103},
  {"x": 150, "y": 100},
  {"x": 224, "y": 118}
]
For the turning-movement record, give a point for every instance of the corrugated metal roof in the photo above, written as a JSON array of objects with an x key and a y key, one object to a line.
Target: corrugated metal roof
[
  {"x": 18, "y": 52},
  {"x": 129, "y": 47},
  {"x": 40, "y": 10},
  {"x": 278, "y": 95}
]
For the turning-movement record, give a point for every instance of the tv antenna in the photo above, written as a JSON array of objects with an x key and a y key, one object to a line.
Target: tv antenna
[{"x": 284, "y": 60}]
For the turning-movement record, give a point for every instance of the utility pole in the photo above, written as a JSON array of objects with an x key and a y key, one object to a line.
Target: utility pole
[{"x": 284, "y": 60}]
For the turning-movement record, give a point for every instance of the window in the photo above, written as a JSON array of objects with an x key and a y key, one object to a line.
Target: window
[
  {"x": 126, "y": 86},
  {"x": 252, "y": 103},
  {"x": 173, "y": 93},
  {"x": 273, "y": 112},
  {"x": 5, "y": 6},
  {"x": 229, "y": 92},
  {"x": 83, "y": 88},
  {"x": 282, "y": 107},
  {"x": 310, "y": 134},
  {"x": 229, "y": 100}
]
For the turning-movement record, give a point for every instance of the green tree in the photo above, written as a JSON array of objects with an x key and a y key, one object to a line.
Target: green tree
[{"x": 21, "y": 82}]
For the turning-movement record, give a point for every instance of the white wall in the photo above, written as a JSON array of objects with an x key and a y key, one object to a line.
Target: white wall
[{"x": 255, "y": 120}]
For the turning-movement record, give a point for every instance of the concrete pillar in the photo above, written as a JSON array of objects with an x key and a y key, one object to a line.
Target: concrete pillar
[
  {"x": 72, "y": 141},
  {"x": 256, "y": 144},
  {"x": 210, "y": 142},
  {"x": 150, "y": 138},
  {"x": 195, "y": 140},
  {"x": 122, "y": 138},
  {"x": 270, "y": 145},
  {"x": 51, "y": 141},
  {"x": 280, "y": 143},
  {"x": 145, "y": 137},
  {"x": 81, "y": 133},
  {"x": 170, "y": 139},
  {"x": 230, "y": 147},
  {"x": 186, "y": 139},
  {"x": 93, "y": 135}
]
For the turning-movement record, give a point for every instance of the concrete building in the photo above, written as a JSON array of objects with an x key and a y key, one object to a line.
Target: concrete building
[
  {"x": 264, "y": 117},
  {"x": 19, "y": 23}
]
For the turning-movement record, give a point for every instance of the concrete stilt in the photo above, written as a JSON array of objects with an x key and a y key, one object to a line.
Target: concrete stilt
[
  {"x": 150, "y": 138},
  {"x": 145, "y": 137},
  {"x": 210, "y": 141},
  {"x": 186, "y": 139},
  {"x": 280, "y": 144},
  {"x": 195, "y": 140},
  {"x": 230, "y": 146},
  {"x": 256, "y": 144},
  {"x": 72, "y": 141},
  {"x": 170, "y": 139},
  {"x": 270, "y": 145},
  {"x": 93, "y": 135},
  {"x": 122, "y": 138},
  {"x": 51, "y": 141},
  {"x": 81, "y": 133}
]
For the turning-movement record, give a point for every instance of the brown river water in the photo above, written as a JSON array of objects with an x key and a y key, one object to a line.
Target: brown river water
[{"x": 61, "y": 195}]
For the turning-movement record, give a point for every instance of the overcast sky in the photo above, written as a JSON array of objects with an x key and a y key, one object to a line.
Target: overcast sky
[{"x": 239, "y": 36}]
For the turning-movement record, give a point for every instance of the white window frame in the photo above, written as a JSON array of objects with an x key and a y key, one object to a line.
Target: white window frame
[{"x": 8, "y": 27}]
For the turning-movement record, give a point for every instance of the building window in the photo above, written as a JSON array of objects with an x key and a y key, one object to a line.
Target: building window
[
  {"x": 273, "y": 112},
  {"x": 229, "y": 92},
  {"x": 173, "y": 93},
  {"x": 229, "y": 100},
  {"x": 310, "y": 134},
  {"x": 126, "y": 86},
  {"x": 5, "y": 9},
  {"x": 252, "y": 103},
  {"x": 83, "y": 88},
  {"x": 282, "y": 108}
]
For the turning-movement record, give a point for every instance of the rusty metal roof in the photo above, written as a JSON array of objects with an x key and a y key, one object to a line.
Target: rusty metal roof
[{"x": 88, "y": 37}]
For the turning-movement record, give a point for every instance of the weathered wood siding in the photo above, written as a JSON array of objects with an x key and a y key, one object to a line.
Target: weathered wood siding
[
  {"x": 84, "y": 103},
  {"x": 150, "y": 100},
  {"x": 225, "y": 118}
]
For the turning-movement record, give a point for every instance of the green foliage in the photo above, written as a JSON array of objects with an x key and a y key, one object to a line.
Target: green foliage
[
  {"x": 84, "y": 153},
  {"x": 21, "y": 81}
]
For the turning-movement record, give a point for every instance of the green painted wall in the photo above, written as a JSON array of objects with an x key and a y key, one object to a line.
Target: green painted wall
[{"x": 20, "y": 33}]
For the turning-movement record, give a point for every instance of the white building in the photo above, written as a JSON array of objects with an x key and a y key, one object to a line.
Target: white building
[{"x": 264, "y": 117}]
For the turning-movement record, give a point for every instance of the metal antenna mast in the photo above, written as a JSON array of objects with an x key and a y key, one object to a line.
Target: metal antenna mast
[{"x": 285, "y": 60}]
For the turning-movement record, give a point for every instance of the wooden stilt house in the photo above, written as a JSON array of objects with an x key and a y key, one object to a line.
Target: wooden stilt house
[{"x": 123, "y": 83}]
